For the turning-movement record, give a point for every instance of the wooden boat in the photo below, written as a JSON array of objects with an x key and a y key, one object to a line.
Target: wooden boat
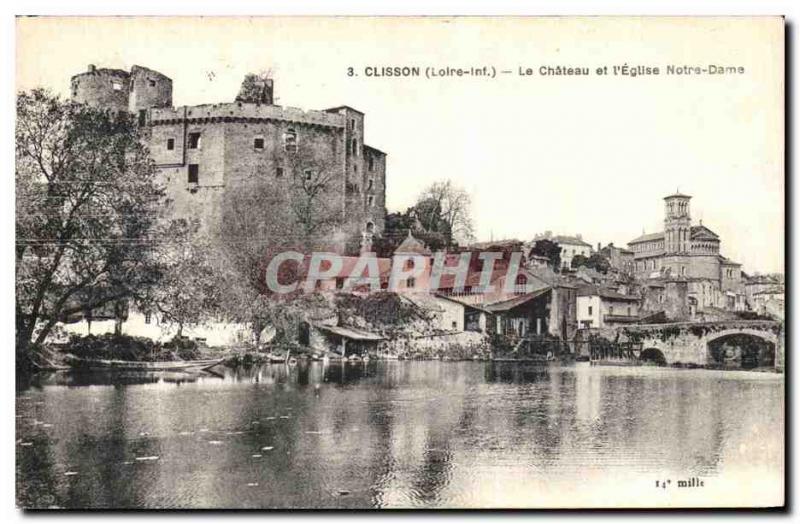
[{"x": 128, "y": 365}]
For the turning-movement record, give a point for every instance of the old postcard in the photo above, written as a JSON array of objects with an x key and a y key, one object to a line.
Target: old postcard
[{"x": 386, "y": 262}]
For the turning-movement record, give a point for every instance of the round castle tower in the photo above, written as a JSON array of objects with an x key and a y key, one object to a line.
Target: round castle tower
[{"x": 119, "y": 90}]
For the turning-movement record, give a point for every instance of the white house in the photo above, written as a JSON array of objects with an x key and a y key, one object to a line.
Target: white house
[{"x": 597, "y": 308}]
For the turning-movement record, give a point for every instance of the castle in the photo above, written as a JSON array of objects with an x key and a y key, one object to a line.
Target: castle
[
  {"x": 203, "y": 152},
  {"x": 689, "y": 253}
]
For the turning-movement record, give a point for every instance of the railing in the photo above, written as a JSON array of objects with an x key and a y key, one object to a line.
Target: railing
[{"x": 600, "y": 349}]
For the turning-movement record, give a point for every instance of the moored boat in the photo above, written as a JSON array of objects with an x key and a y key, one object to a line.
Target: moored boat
[{"x": 129, "y": 365}]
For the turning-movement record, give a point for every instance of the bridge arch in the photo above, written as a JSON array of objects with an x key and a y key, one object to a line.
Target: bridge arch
[
  {"x": 653, "y": 355},
  {"x": 741, "y": 349}
]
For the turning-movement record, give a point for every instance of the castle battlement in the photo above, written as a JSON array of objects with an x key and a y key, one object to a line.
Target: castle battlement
[{"x": 242, "y": 111}]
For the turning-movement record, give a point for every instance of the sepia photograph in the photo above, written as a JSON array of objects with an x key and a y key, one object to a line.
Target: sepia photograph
[{"x": 419, "y": 262}]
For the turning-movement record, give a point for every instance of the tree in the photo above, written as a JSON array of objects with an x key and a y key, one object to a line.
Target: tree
[
  {"x": 87, "y": 213},
  {"x": 263, "y": 216},
  {"x": 256, "y": 88},
  {"x": 188, "y": 290},
  {"x": 396, "y": 228},
  {"x": 551, "y": 250},
  {"x": 594, "y": 261},
  {"x": 578, "y": 261},
  {"x": 445, "y": 208}
]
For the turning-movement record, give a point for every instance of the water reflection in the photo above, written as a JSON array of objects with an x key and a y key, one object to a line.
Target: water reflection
[{"x": 390, "y": 434}]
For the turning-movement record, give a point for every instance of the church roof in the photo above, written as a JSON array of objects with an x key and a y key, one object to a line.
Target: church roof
[
  {"x": 701, "y": 232},
  {"x": 412, "y": 246},
  {"x": 728, "y": 262},
  {"x": 647, "y": 238}
]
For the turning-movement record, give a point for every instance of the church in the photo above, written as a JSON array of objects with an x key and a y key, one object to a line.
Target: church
[{"x": 690, "y": 253}]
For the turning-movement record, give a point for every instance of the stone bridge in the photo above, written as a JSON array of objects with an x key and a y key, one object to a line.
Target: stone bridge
[{"x": 739, "y": 343}]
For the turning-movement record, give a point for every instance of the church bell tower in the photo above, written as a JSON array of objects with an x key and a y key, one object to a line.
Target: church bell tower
[{"x": 677, "y": 224}]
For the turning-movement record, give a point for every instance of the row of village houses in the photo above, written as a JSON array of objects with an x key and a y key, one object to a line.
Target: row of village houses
[{"x": 541, "y": 302}]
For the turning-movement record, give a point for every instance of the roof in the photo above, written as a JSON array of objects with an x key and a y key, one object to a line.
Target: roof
[
  {"x": 505, "y": 305},
  {"x": 375, "y": 149},
  {"x": 348, "y": 264},
  {"x": 701, "y": 232},
  {"x": 337, "y": 108},
  {"x": 676, "y": 195},
  {"x": 773, "y": 291},
  {"x": 728, "y": 261},
  {"x": 458, "y": 301},
  {"x": 348, "y": 332},
  {"x": 647, "y": 238},
  {"x": 566, "y": 239},
  {"x": 591, "y": 290},
  {"x": 412, "y": 246},
  {"x": 422, "y": 300},
  {"x": 511, "y": 242}
]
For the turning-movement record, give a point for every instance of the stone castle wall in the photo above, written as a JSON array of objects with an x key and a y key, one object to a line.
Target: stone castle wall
[{"x": 228, "y": 161}]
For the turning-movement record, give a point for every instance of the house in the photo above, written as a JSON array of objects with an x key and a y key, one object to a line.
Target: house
[
  {"x": 598, "y": 307},
  {"x": 619, "y": 258},
  {"x": 770, "y": 302},
  {"x": 571, "y": 246}
]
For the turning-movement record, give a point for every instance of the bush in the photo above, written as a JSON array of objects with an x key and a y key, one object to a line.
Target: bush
[{"x": 109, "y": 346}]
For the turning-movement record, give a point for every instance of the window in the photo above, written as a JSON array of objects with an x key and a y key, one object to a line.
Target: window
[
  {"x": 278, "y": 172},
  {"x": 194, "y": 140},
  {"x": 610, "y": 310},
  {"x": 410, "y": 282},
  {"x": 194, "y": 173},
  {"x": 290, "y": 141},
  {"x": 339, "y": 282},
  {"x": 116, "y": 86},
  {"x": 590, "y": 310},
  {"x": 151, "y": 82},
  {"x": 142, "y": 117},
  {"x": 629, "y": 311},
  {"x": 355, "y": 169},
  {"x": 352, "y": 123},
  {"x": 370, "y": 200},
  {"x": 370, "y": 227},
  {"x": 354, "y": 147},
  {"x": 371, "y": 163},
  {"x": 307, "y": 174},
  {"x": 454, "y": 324},
  {"x": 258, "y": 143},
  {"x": 147, "y": 317},
  {"x": 520, "y": 284},
  {"x": 370, "y": 183},
  {"x": 170, "y": 144}
]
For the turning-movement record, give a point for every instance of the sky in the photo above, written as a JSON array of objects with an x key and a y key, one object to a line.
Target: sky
[{"x": 590, "y": 155}]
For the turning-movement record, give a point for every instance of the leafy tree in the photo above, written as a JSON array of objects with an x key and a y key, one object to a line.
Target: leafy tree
[
  {"x": 188, "y": 291},
  {"x": 578, "y": 261},
  {"x": 256, "y": 88},
  {"x": 87, "y": 213},
  {"x": 551, "y": 250},
  {"x": 595, "y": 261}
]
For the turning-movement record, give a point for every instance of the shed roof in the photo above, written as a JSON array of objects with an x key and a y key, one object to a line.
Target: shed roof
[
  {"x": 506, "y": 305},
  {"x": 349, "y": 333}
]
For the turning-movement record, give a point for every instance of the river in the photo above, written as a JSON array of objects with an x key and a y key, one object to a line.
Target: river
[{"x": 402, "y": 435}]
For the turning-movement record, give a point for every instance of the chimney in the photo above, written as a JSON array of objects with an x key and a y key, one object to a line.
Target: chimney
[{"x": 92, "y": 68}]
